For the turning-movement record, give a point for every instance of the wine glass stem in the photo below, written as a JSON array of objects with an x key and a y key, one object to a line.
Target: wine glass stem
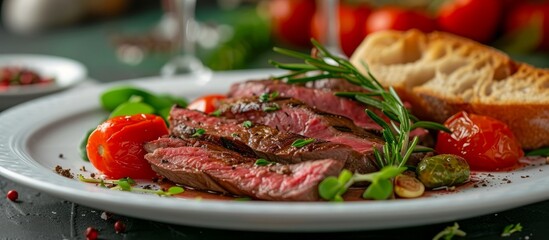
[
  {"x": 185, "y": 15},
  {"x": 329, "y": 10}
]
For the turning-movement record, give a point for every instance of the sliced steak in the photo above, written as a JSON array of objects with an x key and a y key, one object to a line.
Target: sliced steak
[
  {"x": 322, "y": 99},
  {"x": 221, "y": 170},
  {"x": 266, "y": 142},
  {"x": 296, "y": 117}
]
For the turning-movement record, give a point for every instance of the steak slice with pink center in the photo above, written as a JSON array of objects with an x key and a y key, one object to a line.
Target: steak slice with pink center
[
  {"x": 296, "y": 117},
  {"x": 214, "y": 168},
  {"x": 266, "y": 142}
]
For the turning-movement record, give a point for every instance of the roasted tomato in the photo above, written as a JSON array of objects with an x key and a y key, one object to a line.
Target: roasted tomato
[
  {"x": 115, "y": 147},
  {"x": 292, "y": 20},
  {"x": 393, "y": 18},
  {"x": 486, "y": 143},
  {"x": 207, "y": 104},
  {"x": 474, "y": 19}
]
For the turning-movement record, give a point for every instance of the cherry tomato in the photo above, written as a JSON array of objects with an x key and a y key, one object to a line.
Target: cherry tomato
[
  {"x": 524, "y": 15},
  {"x": 486, "y": 143},
  {"x": 207, "y": 104},
  {"x": 352, "y": 20},
  {"x": 393, "y": 18},
  {"x": 474, "y": 19},
  {"x": 115, "y": 147},
  {"x": 292, "y": 20}
]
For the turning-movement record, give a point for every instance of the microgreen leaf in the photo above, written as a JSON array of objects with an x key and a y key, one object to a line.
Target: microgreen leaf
[
  {"x": 379, "y": 189},
  {"x": 510, "y": 229},
  {"x": 247, "y": 124},
  {"x": 198, "y": 132},
  {"x": 329, "y": 187},
  {"x": 449, "y": 232},
  {"x": 262, "y": 162},
  {"x": 302, "y": 142}
]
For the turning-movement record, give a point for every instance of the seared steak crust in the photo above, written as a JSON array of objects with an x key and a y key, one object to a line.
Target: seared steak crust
[
  {"x": 296, "y": 117},
  {"x": 264, "y": 141},
  {"x": 214, "y": 168},
  {"x": 322, "y": 99}
]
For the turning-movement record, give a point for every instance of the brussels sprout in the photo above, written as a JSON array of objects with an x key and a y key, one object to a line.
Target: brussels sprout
[{"x": 443, "y": 170}]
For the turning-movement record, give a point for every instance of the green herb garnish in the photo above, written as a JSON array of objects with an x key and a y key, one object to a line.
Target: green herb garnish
[
  {"x": 396, "y": 132},
  {"x": 449, "y": 232},
  {"x": 262, "y": 162},
  {"x": 247, "y": 124},
  {"x": 198, "y": 132},
  {"x": 302, "y": 142},
  {"x": 127, "y": 184},
  {"x": 266, "y": 97},
  {"x": 510, "y": 229},
  {"x": 216, "y": 113},
  {"x": 271, "y": 108}
]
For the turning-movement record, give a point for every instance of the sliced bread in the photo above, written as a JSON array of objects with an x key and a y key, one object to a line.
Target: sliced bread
[{"x": 441, "y": 74}]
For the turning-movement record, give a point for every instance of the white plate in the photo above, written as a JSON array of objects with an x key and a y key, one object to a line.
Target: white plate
[
  {"x": 66, "y": 72},
  {"x": 35, "y": 133}
]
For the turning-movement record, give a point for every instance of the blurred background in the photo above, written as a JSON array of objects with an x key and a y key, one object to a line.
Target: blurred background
[{"x": 121, "y": 39}]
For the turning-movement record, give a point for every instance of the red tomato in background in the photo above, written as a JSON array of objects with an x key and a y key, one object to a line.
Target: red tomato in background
[
  {"x": 352, "y": 20},
  {"x": 526, "y": 13},
  {"x": 393, "y": 18},
  {"x": 115, "y": 147},
  {"x": 291, "y": 20},
  {"x": 207, "y": 104},
  {"x": 474, "y": 19},
  {"x": 486, "y": 143}
]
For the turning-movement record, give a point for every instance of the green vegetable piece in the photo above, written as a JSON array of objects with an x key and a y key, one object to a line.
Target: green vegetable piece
[
  {"x": 443, "y": 170},
  {"x": 174, "y": 100},
  {"x": 380, "y": 189},
  {"x": 175, "y": 190},
  {"x": 115, "y": 96},
  {"x": 164, "y": 113},
  {"x": 131, "y": 108}
]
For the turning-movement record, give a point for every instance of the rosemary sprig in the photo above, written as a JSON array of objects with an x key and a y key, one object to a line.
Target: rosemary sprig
[{"x": 396, "y": 132}]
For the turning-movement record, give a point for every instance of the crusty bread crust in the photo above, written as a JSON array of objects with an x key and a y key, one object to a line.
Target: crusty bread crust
[{"x": 441, "y": 74}]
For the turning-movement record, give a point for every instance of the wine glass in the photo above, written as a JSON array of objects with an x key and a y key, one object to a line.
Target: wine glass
[
  {"x": 184, "y": 60},
  {"x": 329, "y": 9}
]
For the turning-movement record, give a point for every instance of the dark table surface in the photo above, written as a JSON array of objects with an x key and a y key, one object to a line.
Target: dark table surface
[{"x": 40, "y": 216}]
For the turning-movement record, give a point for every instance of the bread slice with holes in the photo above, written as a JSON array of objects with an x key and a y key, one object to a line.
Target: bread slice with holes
[{"x": 441, "y": 74}]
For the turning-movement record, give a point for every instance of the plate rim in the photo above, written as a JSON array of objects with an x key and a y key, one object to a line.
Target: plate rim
[{"x": 272, "y": 212}]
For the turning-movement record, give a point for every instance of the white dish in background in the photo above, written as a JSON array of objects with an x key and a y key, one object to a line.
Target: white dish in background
[
  {"x": 66, "y": 73},
  {"x": 34, "y": 134}
]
